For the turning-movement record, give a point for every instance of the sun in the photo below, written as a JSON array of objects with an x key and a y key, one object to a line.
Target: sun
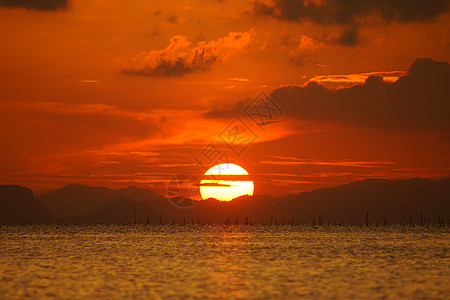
[{"x": 225, "y": 182}]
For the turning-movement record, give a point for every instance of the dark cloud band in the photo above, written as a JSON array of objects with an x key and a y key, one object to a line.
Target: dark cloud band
[
  {"x": 350, "y": 12},
  {"x": 420, "y": 100},
  {"x": 45, "y": 5}
]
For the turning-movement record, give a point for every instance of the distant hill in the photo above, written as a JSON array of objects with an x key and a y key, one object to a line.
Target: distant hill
[
  {"x": 381, "y": 200},
  {"x": 397, "y": 201},
  {"x": 77, "y": 200},
  {"x": 19, "y": 206},
  {"x": 413, "y": 200},
  {"x": 140, "y": 194}
]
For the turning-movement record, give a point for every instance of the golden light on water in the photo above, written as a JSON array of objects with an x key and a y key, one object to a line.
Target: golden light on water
[{"x": 223, "y": 185}]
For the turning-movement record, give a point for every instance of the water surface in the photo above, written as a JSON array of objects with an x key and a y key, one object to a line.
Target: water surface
[{"x": 198, "y": 262}]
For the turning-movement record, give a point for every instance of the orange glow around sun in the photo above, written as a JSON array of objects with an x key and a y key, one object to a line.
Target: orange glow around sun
[{"x": 228, "y": 181}]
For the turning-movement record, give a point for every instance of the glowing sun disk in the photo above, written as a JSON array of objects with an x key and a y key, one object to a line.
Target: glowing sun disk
[{"x": 225, "y": 190}]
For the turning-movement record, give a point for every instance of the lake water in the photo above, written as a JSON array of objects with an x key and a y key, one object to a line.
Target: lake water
[{"x": 200, "y": 262}]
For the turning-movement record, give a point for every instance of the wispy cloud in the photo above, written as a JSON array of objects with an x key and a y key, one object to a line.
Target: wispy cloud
[
  {"x": 390, "y": 76},
  {"x": 239, "y": 79},
  {"x": 125, "y": 153},
  {"x": 294, "y": 161},
  {"x": 219, "y": 184},
  {"x": 168, "y": 165},
  {"x": 289, "y": 182},
  {"x": 89, "y": 81}
]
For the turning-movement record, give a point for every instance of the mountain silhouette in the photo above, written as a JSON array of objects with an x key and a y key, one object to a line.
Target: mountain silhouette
[
  {"x": 398, "y": 201},
  {"x": 414, "y": 200},
  {"x": 140, "y": 194},
  {"x": 78, "y": 200},
  {"x": 19, "y": 206}
]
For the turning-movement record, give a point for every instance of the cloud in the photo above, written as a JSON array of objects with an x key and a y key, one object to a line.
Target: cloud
[
  {"x": 90, "y": 81},
  {"x": 349, "y": 12},
  {"x": 227, "y": 113},
  {"x": 172, "y": 19},
  {"x": 180, "y": 57},
  {"x": 294, "y": 161},
  {"x": 349, "y": 38},
  {"x": 302, "y": 49},
  {"x": 391, "y": 76},
  {"x": 45, "y": 5},
  {"x": 219, "y": 184},
  {"x": 239, "y": 79},
  {"x": 300, "y": 59},
  {"x": 419, "y": 100}
]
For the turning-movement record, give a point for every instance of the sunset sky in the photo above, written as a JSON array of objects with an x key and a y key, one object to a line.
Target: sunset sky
[{"x": 134, "y": 92}]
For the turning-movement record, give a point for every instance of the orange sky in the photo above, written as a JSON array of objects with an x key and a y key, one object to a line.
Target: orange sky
[{"x": 132, "y": 93}]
